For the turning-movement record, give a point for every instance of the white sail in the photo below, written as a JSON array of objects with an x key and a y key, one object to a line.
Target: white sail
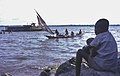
[
  {"x": 39, "y": 24},
  {"x": 42, "y": 23}
]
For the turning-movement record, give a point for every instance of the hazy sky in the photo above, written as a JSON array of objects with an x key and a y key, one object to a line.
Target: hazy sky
[{"x": 59, "y": 11}]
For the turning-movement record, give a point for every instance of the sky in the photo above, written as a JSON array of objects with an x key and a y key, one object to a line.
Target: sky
[{"x": 59, "y": 11}]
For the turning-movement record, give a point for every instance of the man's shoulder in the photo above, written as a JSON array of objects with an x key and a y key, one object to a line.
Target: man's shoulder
[
  {"x": 106, "y": 36},
  {"x": 103, "y": 34}
]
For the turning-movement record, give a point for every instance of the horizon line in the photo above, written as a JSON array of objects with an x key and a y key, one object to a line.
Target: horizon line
[{"x": 58, "y": 24}]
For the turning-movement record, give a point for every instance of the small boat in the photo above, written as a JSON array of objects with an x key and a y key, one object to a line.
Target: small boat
[{"x": 62, "y": 36}]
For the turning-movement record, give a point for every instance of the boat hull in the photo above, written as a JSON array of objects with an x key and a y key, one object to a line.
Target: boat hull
[
  {"x": 52, "y": 37},
  {"x": 62, "y": 36},
  {"x": 22, "y": 28}
]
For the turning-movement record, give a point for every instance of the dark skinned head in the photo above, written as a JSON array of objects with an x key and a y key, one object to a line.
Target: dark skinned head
[{"x": 101, "y": 26}]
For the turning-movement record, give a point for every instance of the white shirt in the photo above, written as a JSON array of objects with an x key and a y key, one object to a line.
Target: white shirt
[{"x": 107, "y": 51}]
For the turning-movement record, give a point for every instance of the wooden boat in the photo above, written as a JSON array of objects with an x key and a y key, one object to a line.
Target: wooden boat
[{"x": 62, "y": 36}]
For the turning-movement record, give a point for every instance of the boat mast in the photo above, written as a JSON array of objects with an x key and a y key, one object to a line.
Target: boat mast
[{"x": 42, "y": 23}]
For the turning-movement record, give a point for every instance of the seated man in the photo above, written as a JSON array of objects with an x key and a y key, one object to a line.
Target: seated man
[
  {"x": 66, "y": 32},
  {"x": 72, "y": 33},
  {"x": 106, "y": 58},
  {"x": 56, "y": 33},
  {"x": 80, "y": 32}
]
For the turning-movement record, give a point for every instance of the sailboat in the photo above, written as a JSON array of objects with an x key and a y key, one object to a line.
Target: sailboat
[{"x": 43, "y": 24}]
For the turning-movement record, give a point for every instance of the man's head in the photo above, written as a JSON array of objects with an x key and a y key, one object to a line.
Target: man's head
[{"x": 101, "y": 26}]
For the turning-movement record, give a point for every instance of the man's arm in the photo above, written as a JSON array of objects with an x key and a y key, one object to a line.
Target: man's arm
[{"x": 83, "y": 53}]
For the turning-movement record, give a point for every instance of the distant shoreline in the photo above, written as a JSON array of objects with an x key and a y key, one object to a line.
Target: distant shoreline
[
  {"x": 61, "y": 25},
  {"x": 80, "y": 25}
]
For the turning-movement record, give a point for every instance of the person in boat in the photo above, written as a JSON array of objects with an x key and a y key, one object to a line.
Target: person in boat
[
  {"x": 66, "y": 32},
  {"x": 56, "y": 33},
  {"x": 80, "y": 32},
  {"x": 72, "y": 34},
  {"x": 104, "y": 63}
]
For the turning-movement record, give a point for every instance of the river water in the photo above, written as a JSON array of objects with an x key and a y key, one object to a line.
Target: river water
[{"x": 26, "y": 53}]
